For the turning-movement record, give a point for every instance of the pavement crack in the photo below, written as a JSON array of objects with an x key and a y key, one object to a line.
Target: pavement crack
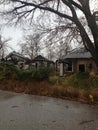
[
  {"x": 11, "y": 120},
  {"x": 14, "y": 106},
  {"x": 84, "y": 122},
  {"x": 53, "y": 121}
]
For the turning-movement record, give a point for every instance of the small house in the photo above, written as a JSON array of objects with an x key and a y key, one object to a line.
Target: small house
[
  {"x": 22, "y": 62},
  {"x": 78, "y": 60},
  {"x": 18, "y": 60},
  {"x": 41, "y": 62}
]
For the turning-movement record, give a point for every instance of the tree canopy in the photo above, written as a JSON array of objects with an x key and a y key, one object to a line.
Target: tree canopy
[{"x": 74, "y": 12}]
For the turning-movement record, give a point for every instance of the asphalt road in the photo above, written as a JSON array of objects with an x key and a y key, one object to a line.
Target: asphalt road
[{"x": 27, "y": 112}]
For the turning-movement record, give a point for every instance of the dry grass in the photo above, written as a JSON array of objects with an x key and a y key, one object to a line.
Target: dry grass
[
  {"x": 45, "y": 88},
  {"x": 79, "y": 86}
]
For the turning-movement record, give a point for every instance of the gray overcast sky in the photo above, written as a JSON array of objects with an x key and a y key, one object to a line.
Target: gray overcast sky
[{"x": 15, "y": 34}]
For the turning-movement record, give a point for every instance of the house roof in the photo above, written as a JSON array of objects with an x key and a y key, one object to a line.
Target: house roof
[
  {"x": 15, "y": 54},
  {"x": 41, "y": 58},
  {"x": 78, "y": 53}
]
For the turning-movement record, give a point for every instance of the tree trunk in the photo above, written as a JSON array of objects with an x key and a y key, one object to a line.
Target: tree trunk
[{"x": 95, "y": 56}]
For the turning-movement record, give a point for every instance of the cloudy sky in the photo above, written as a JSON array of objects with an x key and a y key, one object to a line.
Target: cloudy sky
[{"x": 16, "y": 33}]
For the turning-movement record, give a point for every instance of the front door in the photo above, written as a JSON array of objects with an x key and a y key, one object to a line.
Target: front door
[{"x": 82, "y": 68}]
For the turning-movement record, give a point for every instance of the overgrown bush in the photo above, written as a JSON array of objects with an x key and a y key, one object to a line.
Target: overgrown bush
[
  {"x": 82, "y": 75},
  {"x": 53, "y": 79},
  {"x": 83, "y": 80},
  {"x": 93, "y": 81},
  {"x": 24, "y": 74},
  {"x": 56, "y": 80},
  {"x": 7, "y": 70},
  {"x": 41, "y": 73},
  {"x": 79, "y": 80}
]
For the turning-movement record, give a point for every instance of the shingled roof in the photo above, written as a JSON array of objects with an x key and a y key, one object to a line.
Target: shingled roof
[
  {"x": 16, "y": 54},
  {"x": 78, "y": 53},
  {"x": 41, "y": 58}
]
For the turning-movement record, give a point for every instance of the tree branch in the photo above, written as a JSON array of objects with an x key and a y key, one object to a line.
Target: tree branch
[{"x": 44, "y": 8}]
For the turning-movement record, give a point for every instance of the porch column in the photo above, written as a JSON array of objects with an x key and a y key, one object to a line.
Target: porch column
[
  {"x": 72, "y": 67},
  {"x": 61, "y": 69}
]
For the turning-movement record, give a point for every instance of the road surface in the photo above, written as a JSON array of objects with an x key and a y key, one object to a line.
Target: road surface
[{"x": 28, "y": 112}]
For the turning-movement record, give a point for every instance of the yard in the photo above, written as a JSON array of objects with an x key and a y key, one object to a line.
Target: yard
[{"x": 81, "y": 87}]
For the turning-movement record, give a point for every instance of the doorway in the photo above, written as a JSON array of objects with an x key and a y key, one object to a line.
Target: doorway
[{"x": 82, "y": 68}]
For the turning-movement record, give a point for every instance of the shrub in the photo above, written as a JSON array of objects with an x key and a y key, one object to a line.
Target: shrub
[
  {"x": 24, "y": 74},
  {"x": 80, "y": 80},
  {"x": 41, "y": 73},
  {"x": 82, "y": 75},
  {"x": 7, "y": 70},
  {"x": 53, "y": 79}
]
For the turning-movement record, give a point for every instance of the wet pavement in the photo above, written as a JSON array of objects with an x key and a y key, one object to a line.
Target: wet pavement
[{"x": 28, "y": 112}]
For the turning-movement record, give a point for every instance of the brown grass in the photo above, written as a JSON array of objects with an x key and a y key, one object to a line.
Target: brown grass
[{"x": 47, "y": 89}]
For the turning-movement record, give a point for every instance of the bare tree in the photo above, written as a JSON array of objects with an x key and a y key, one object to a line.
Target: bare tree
[
  {"x": 3, "y": 47},
  {"x": 57, "y": 39},
  {"x": 65, "y": 9},
  {"x": 30, "y": 46}
]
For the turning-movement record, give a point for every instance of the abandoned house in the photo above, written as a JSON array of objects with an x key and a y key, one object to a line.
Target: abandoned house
[
  {"x": 78, "y": 60},
  {"x": 18, "y": 60},
  {"x": 40, "y": 62},
  {"x": 22, "y": 62}
]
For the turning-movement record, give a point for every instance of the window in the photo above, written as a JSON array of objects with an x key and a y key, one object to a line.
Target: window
[
  {"x": 68, "y": 67},
  {"x": 90, "y": 66},
  {"x": 21, "y": 65}
]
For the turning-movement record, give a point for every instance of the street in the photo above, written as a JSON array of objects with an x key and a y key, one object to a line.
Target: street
[{"x": 29, "y": 112}]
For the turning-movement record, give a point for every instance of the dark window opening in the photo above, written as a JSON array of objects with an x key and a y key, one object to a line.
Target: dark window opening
[
  {"x": 90, "y": 66},
  {"x": 21, "y": 66},
  {"x": 68, "y": 67},
  {"x": 82, "y": 68}
]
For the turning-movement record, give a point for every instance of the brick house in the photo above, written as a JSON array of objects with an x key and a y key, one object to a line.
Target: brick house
[{"x": 78, "y": 60}]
